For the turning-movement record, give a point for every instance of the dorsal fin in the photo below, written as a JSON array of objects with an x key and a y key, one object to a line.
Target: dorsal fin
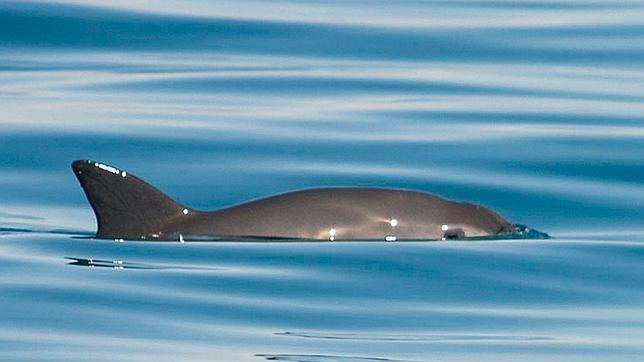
[{"x": 125, "y": 206}]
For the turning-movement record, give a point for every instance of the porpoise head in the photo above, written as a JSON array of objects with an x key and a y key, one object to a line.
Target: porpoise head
[
  {"x": 465, "y": 220},
  {"x": 472, "y": 221}
]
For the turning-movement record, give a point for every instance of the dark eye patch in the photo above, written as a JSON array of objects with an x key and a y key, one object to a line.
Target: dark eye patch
[{"x": 454, "y": 234}]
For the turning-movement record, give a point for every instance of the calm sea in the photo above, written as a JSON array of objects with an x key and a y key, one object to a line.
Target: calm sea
[{"x": 532, "y": 108}]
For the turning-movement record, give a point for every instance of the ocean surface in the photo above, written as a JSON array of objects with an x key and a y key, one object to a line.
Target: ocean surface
[{"x": 532, "y": 108}]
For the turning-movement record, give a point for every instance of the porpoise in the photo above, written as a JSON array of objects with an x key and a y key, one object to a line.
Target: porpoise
[{"x": 126, "y": 207}]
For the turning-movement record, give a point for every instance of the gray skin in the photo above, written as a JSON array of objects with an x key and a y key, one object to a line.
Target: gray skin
[{"x": 127, "y": 207}]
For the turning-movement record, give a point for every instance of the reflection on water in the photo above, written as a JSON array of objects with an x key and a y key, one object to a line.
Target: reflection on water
[
  {"x": 533, "y": 109},
  {"x": 325, "y": 358},
  {"x": 410, "y": 338}
]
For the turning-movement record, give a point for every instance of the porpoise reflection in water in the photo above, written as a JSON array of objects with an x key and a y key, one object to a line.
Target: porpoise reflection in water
[{"x": 128, "y": 208}]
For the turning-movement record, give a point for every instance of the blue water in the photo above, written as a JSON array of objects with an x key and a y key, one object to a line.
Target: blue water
[{"x": 534, "y": 109}]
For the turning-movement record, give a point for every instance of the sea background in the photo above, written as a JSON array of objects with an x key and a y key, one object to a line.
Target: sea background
[{"x": 532, "y": 108}]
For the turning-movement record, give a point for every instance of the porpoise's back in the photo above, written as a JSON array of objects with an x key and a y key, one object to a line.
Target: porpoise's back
[
  {"x": 351, "y": 213},
  {"x": 127, "y": 207}
]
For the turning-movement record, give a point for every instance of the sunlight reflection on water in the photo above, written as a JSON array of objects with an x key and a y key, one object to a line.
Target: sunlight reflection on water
[{"x": 531, "y": 108}]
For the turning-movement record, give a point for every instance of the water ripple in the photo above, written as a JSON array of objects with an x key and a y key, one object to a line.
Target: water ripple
[
  {"x": 326, "y": 358},
  {"x": 533, "y": 108},
  {"x": 419, "y": 337}
]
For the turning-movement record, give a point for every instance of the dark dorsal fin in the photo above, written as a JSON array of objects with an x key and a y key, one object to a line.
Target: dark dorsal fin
[{"x": 125, "y": 206}]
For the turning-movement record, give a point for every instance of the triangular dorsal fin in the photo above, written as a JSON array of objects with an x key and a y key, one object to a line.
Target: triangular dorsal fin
[{"x": 125, "y": 206}]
